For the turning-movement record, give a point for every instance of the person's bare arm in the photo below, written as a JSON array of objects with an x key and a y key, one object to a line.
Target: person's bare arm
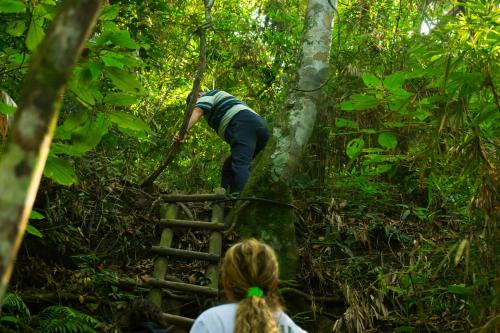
[{"x": 195, "y": 116}]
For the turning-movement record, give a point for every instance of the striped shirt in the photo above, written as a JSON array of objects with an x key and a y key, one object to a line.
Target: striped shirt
[{"x": 219, "y": 108}]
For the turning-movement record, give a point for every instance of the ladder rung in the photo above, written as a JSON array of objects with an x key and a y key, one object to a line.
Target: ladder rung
[
  {"x": 182, "y": 286},
  {"x": 177, "y": 320},
  {"x": 167, "y": 251},
  {"x": 193, "y": 197},
  {"x": 192, "y": 224}
]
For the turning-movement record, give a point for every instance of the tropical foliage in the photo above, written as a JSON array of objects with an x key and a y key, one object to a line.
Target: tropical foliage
[{"x": 398, "y": 192}]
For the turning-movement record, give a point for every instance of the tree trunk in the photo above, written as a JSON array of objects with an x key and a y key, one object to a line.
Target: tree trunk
[
  {"x": 276, "y": 167},
  {"x": 22, "y": 164}
]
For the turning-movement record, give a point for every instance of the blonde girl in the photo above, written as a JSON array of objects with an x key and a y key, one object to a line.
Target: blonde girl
[{"x": 250, "y": 278}]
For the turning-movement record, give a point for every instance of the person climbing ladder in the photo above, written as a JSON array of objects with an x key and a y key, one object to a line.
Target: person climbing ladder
[
  {"x": 237, "y": 124},
  {"x": 250, "y": 277}
]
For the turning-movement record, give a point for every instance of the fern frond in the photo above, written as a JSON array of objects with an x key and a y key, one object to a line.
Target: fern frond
[
  {"x": 14, "y": 304},
  {"x": 62, "y": 319}
]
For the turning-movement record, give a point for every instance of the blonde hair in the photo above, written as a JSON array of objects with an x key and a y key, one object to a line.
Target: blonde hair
[{"x": 247, "y": 264}]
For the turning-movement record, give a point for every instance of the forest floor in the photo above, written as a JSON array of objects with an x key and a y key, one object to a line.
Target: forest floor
[{"x": 363, "y": 266}]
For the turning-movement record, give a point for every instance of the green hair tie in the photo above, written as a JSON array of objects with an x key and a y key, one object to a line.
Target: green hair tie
[{"x": 255, "y": 292}]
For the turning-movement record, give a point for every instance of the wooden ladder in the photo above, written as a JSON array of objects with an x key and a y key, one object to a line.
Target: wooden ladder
[{"x": 168, "y": 219}]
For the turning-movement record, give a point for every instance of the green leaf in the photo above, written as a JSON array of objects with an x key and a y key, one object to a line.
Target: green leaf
[
  {"x": 12, "y": 6},
  {"x": 95, "y": 69},
  {"x": 119, "y": 38},
  {"x": 60, "y": 171},
  {"x": 421, "y": 114},
  {"x": 359, "y": 102},
  {"x": 74, "y": 120},
  {"x": 341, "y": 123},
  {"x": 33, "y": 231},
  {"x": 394, "y": 81},
  {"x": 9, "y": 319},
  {"x": 16, "y": 28},
  {"x": 354, "y": 147},
  {"x": 7, "y": 109},
  {"x": 109, "y": 12},
  {"x": 388, "y": 140},
  {"x": 90, "y": 134},
  {"x": 35, "y": 30},
  {"x": 124, "y": 80},
  {"x": 120, "y": 99},
  {"x": 459, "y": 289},
  {"x": 112, "y": 59},
  {"x": 84, "y": 87},
  {"x": 371, "y": 80},
  {"x": 405, "y": 329},
  {"x": 128, "y": 121},
  {"x": 34, "y": 215},
  {"x": 122, "y": 38}
]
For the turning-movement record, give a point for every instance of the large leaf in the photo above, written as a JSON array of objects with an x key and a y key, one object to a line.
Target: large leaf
[
  {"x": 74, "y": 120},
  {"x": 113, "y": 59},
  {"x": 120, "y": 99},
  {"x": 371, "y": 80},
  {"x": 128, "y": 121},
  {"x": 341, "y": 123},
  {"x": 119, "y": 38},
  {"x": 12, "y": 6},
  {"x": 109, "y": 12},
  {"x": 124, "y": 80},
  {"x": 16, "y": 28},
  {"x": 35, "y": 30},
  {"x": 90, "y": 134},
  {"x": 360, "y": 102},
  {"x": 60, "y": 171},
  {"x": 84, "y": 87},
  {"x": 388, "y": 140},
  {"x": 394, "y": 81},
  {"x": 355, "y": 147}
]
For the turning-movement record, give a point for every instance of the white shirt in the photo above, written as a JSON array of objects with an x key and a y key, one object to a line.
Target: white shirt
[{"x": 220, "y": 319}]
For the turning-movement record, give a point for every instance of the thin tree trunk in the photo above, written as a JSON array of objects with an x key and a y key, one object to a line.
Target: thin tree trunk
[
  {"x": 22, "y": 164},
  {"x": 277, "y": 165}
]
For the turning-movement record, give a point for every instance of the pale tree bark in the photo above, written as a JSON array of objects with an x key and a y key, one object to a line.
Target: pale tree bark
[
  {"x": 274, "y": 169},
  {"x": 22, "y": 163}
]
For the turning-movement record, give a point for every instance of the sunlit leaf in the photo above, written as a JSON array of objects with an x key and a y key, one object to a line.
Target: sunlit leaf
[
  {"x": 34, "y": 215},
  {"x": 388, "y": 140},
  {"x": 109, "y": 12},
  {"x": 124, "y": 80},
  {"x": 60, "y": 171},
  {"x": 394, "y": 81},
  {"x": 12, "y": 6},
  {"x": 33, "y": 231},
  {"x": 128, "y": 121},
  {"x": 120, "y": 99},
  {"x": 371, "y": 80}
]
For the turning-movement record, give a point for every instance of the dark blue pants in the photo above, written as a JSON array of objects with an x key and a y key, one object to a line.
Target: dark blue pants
[{"x": 247, "y": 134}]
